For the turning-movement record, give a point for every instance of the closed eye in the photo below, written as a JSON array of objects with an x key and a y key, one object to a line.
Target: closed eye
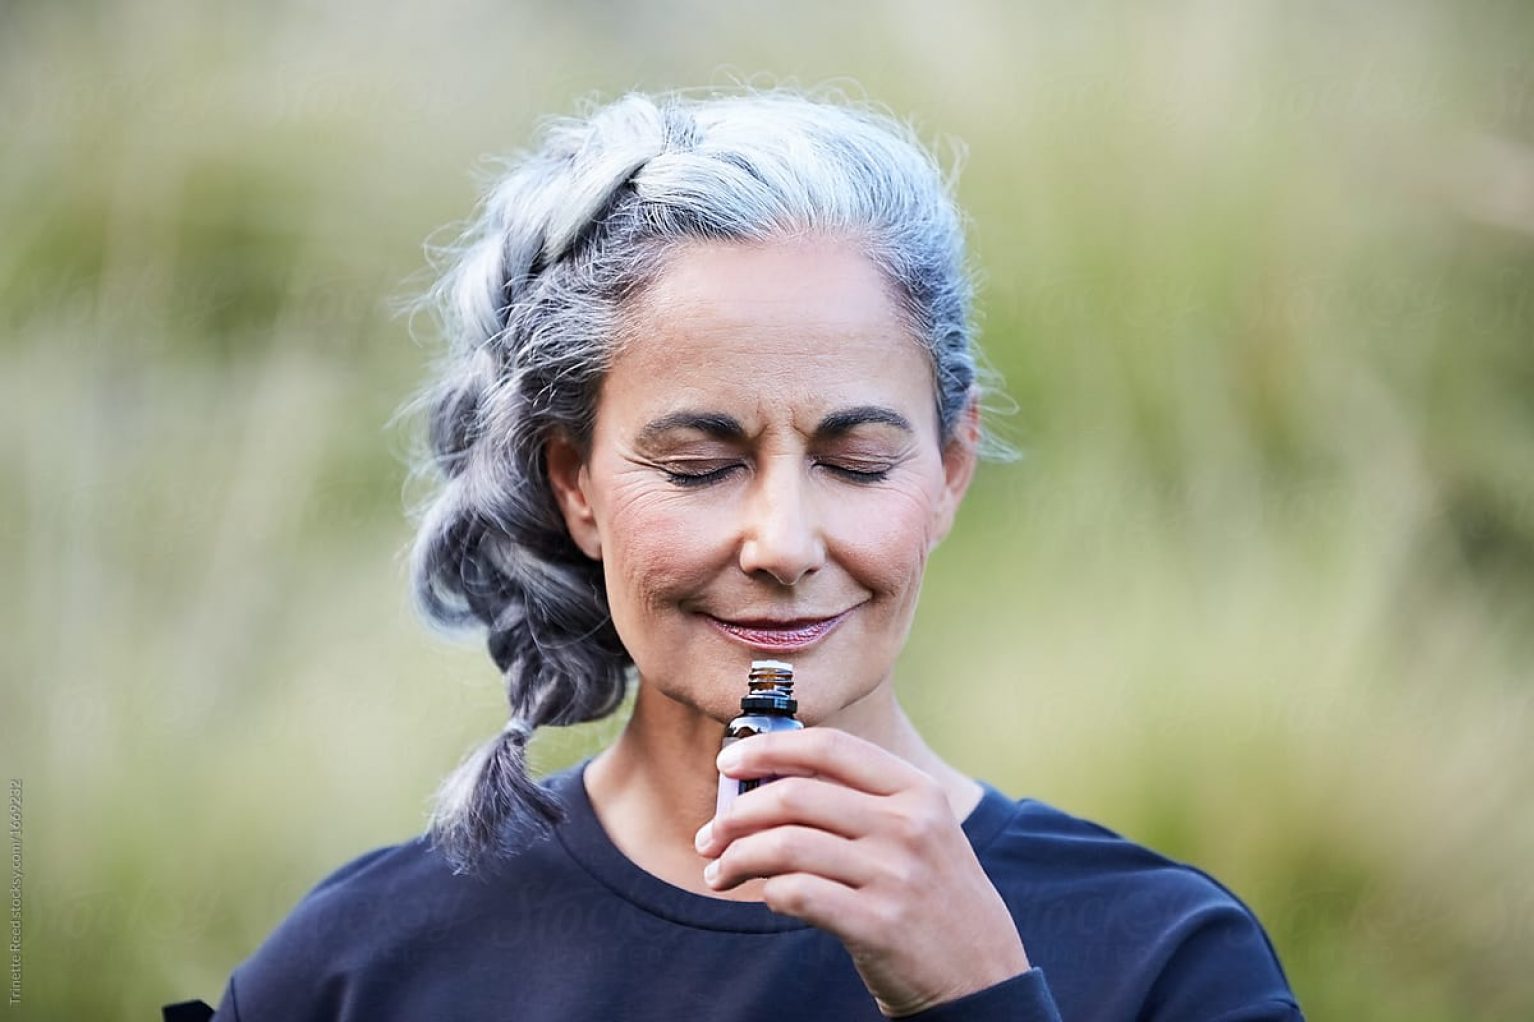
[
  {"x": 857, "y": 475},
  {"x": 699, "y": 478}
]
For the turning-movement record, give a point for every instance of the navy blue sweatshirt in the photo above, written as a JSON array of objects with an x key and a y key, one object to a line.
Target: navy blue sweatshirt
[{"x": 572, "y": 930}]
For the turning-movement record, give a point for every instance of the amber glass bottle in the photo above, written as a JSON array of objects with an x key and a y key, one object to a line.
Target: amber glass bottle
[{"x": 768, "y": 705}]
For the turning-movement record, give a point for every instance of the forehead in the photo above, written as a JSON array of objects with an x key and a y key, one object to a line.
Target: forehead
[{"x": 801, "y": 324}]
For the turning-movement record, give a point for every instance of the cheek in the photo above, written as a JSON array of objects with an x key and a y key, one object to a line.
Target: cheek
[
  {"x": 655, "y": 550},
  {"x": 884, "y": 539}
]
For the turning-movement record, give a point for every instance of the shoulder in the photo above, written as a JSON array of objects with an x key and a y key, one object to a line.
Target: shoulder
[
  {"x": 357, "y": 914},
  {"x": 1089, "y": 897},
  {"x": 346, "y": 949},
  {"x": 1068, "y": 854}
]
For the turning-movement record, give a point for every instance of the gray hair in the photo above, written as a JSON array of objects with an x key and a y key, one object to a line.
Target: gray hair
[{"x": 530, "y": 305}]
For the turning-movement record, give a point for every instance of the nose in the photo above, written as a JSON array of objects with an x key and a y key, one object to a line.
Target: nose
[{"x": 781, "y": 535}]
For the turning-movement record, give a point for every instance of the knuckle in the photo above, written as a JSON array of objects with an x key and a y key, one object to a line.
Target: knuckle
[
  {"x": 833, "y": 741},
  {"x": 790, "y": 794},
  {"x": 888, "y": 914},
  {"x": 915, "y": 825},
  {"x": 785, "y": 894},
  {"x": 893, "y": 874},
  {"x": 924, "y": 815},
  {"x": 736, "y": 863},
  {"x": 786, "y": 843},
  {"x": 901, "y": 873},
  {"x": 739, "y": 854},
  {"x": 929, "y": 795}
]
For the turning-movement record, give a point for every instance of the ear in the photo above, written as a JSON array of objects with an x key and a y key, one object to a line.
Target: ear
[
  {"x": 960, "y": 454},
  {"x": 571, "y": 484}
]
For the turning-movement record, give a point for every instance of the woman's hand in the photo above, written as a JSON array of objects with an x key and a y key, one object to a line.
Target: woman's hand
[{"x": 857, "y": 841}]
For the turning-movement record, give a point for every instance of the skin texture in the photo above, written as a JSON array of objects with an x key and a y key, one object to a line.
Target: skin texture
[{"x": 866, "y": 841}]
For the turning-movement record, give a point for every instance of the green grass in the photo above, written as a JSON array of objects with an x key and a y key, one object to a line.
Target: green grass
[{"x": 1259, "y": 595}]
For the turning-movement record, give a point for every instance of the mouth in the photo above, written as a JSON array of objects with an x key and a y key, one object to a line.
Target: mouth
[{"x": 779, "y": 635}]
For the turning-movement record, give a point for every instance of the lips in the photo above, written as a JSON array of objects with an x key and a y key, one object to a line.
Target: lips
[{"x": 778, "y": 635}]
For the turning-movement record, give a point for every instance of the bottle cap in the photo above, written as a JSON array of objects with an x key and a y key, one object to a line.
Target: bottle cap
[{"x": 772, "y": 688}]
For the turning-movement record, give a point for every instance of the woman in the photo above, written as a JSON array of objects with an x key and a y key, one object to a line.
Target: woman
[{"x": 712, "y": 397}]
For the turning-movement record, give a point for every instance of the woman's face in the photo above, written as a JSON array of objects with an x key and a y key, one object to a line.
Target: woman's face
[{"x": 765, "y": 478}]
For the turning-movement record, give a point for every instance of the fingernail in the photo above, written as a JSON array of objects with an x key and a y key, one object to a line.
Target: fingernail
[
  {"x": 704, "y": 833},
  {"x": 711, "y": 871},
  {"x": 729, "y": 759}
]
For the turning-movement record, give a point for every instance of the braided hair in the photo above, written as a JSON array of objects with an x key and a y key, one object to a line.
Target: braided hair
[{"x": 530, "y": 302}]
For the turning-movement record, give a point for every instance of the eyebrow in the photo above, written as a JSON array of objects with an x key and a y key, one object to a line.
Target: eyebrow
[{"x": 726, "y": 427}]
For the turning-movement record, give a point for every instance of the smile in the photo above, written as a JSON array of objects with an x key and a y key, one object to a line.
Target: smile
[{"x": 786, "y": 635}]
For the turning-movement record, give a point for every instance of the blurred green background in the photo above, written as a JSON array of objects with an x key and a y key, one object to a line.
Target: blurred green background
[{"x": 1260, "y": 595}]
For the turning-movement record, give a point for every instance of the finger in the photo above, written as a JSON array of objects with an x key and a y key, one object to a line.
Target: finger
[
  {"x": 790, "y": 849},
  {"x": 826, "y": 751},
  {"x": 820, "y": 902},
  {"x": 813, "y": 802}
]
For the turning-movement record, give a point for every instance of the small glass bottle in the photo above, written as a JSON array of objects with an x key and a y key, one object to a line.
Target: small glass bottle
[{"x": 768, "y": 705}]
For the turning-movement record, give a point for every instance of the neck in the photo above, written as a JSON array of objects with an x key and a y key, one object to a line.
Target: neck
[{"x": 656, "y": 784}]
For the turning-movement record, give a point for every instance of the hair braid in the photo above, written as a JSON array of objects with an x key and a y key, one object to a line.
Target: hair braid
[{"x": 493, "y": 550}]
